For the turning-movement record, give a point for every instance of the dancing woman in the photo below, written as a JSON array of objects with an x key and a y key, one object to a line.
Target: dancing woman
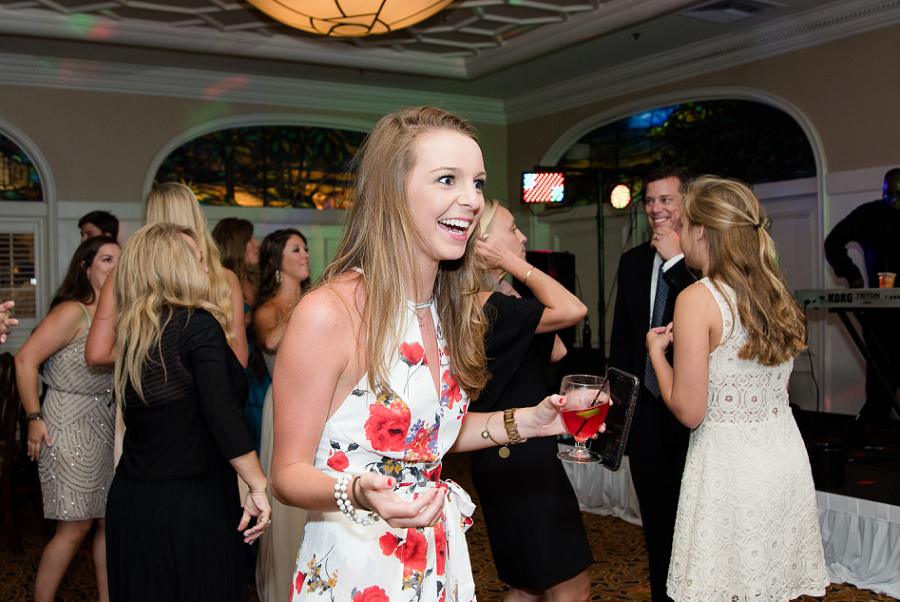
[
  {"x": 175, "y": 522},
  {"x": 71, "y": 436},
  {"x": 747, "y": 526},
  {"x": 284, "y": 266},
  {"x": 510, "y": 487},
  {"x": 375, "y": 371},
  {"x": 240, "y": 253}
]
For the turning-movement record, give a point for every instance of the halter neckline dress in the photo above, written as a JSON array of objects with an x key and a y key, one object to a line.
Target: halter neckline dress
[{"x": 402, "y": 430}]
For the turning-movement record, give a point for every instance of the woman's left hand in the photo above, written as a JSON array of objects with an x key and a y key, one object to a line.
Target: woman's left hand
[
  {"x": 255, "y": 504},
  {"x": 547, "y": 417}
]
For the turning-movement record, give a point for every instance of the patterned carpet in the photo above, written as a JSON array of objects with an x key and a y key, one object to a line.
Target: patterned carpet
[{"x": 619, "y": 573}]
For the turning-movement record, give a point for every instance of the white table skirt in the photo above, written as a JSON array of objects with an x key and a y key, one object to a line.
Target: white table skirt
[
  {"x": 603, "y": 491},
  {"x": 862, "y": 542}
]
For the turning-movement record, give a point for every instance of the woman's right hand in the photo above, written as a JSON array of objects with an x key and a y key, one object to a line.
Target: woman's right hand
[
  {"x": 492, "y": 253},
  {"x": 659, "y": 338},
  {"x": 376, "y": 491},
  {"x": 37, "y": 434},
  {"x": 256, "y": 503}
]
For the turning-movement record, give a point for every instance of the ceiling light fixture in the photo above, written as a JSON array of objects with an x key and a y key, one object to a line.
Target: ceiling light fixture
[{"x": 350, "y": 18}]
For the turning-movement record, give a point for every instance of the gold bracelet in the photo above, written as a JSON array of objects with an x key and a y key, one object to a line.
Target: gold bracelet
[
  {"x": 503, "y": 452},
  {"x": 512, "y": 429},
  {"x": 525, "y": 280}
]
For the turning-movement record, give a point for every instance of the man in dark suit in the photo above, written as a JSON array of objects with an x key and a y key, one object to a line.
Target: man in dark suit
[{"x": 650, "y": 277}]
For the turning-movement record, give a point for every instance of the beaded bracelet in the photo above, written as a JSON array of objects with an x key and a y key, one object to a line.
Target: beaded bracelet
[{"x": 343, "y": 502}]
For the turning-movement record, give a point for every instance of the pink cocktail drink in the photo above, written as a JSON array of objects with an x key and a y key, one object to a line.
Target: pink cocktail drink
[
  {"x": 583, "y": 424},
  {"x": 584, "y": 411}
]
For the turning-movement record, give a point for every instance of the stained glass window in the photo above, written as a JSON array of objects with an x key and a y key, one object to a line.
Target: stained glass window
[
  {"x": 19, "y": 180},
  {"x": 267, "y": 166},
  {"x": 747, "y": 140}
]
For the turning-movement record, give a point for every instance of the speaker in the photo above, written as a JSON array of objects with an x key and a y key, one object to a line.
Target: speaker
[{"x": 561, "y": 267}]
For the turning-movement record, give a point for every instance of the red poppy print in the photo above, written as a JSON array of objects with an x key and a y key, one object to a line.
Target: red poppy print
[
  {"x": 298, "y": 583},
  {"x": 422, "y": 447},
  {"x": 371, "y": 594},
  {"x": 451, "y": 390},
  {"x": 413, "y": 552},
  {"x": 387, "y": 425},
  {"x": 388, "y": 543},
  {"x": 412, "y": 354},
  {"x": 440, "y": 546},
  {"x": 434, "y": 474},
  {"x": 338, "y": 461}
]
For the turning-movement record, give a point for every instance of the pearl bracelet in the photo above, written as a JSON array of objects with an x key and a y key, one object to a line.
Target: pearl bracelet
[{"x": 343, "y": 502}]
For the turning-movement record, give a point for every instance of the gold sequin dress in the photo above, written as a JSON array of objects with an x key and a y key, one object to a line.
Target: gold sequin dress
[{"x": 77, "y": 467}]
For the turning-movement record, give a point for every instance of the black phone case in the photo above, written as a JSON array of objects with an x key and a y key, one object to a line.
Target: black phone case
[{"x": 623, "y": 390}]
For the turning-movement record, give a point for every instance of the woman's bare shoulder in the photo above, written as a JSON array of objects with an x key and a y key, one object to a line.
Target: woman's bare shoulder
[
  {"x": 232, "y": 278},
  {"x": 335, "y": 302},
  {"x": 695, "y": 293}
]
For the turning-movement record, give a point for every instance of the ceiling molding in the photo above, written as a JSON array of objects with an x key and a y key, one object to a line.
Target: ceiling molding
[
  {"x": 779, "y": 37},
  {"x": 462, "y": 50},
  {"x": 42, "y": 23},
  {"x": 611, "y": 16},
  {"x": 77, "y": 74}
]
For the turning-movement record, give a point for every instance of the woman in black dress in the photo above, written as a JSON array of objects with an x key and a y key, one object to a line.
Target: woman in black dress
[
  {"x": 545, "y": 558},
  {"x": 174, "y": 522}
]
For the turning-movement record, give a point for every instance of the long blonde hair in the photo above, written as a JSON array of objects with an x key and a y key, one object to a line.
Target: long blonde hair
[
  {"x": 156, "y": 272},
  {"x": 379, "y": 239},
  {"x": 176, "y": 204},
  {"x": 742, "y": 255}
]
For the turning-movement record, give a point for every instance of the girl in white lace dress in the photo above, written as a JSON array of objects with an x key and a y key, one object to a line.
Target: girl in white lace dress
[
  {"x": 747, "y": 525},
  {"x": 374, "y": 374}
]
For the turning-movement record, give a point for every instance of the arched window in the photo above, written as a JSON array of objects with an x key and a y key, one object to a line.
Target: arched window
[
  {"x": 19, "y": 180},
  {"x": 742, "y": 139},
  {"x": 267, "y": 166}
]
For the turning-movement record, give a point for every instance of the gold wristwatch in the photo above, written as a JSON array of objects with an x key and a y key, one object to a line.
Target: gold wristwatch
[{"x": 512, "y": 429}]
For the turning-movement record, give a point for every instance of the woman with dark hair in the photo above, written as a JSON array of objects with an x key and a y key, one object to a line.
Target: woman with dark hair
[
  {"x": 71, "y": 436},
  {"x": 174, "y": 512},
  {"x": 284, "y": 266},
  {"x": 240, "y": 254}
]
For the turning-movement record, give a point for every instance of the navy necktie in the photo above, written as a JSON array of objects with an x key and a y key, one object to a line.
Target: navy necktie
[{"x": 659, "y": 307}]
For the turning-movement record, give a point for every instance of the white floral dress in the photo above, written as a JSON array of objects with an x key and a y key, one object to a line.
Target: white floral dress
[
  {"x": 747, "y": 526},
  {"x": 404, "y": 433}
]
